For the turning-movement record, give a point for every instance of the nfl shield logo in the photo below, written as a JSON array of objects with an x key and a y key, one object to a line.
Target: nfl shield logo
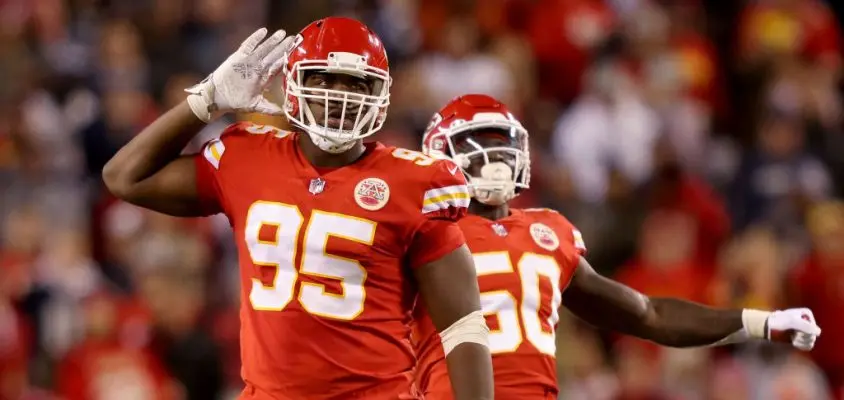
[
  {"x": 499, "y": 229},
  {"x": 317, "y": 185}
]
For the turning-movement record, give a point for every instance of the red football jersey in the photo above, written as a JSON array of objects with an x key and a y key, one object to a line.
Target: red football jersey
[
  {"x": 524, "y": 262},
  {"x": 325, "y": 259}
]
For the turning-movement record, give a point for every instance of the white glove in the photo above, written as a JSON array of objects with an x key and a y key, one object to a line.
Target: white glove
[
  {"x": 239, "y": 82},
  {"x": 794, "y": 325}
]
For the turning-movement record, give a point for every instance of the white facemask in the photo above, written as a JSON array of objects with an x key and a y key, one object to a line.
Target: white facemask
[{"x": 365, "y": 112}]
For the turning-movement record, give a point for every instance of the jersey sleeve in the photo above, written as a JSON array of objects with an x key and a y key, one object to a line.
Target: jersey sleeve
[
  {"x": 577, "y": 239},
  {"x": 570, "y": 233},
  {"x": 572, "y": 246},
  {"x": 573, "y": 236},
  {"x": 212, "y": 164},
  {"x": 433, "y": 240},
  {"x": 446, "y": 195},
  {"x": 444, "y": 201}
]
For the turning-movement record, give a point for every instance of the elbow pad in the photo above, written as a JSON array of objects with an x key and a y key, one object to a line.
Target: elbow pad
[{"x": 469, "y": 329}]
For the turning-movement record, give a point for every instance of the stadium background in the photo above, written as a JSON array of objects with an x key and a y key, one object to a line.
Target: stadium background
[{"x": 696, "y": 144}]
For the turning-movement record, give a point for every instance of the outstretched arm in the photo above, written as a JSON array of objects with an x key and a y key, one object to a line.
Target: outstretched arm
[
  {"x": 449, "y": 288},
  {"x": 610, "y": 305}
]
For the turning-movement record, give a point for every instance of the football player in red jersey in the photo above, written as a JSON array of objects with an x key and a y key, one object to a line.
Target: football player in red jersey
[
  {"x": 335, "y": 237},
  {"x": 531, "y": 261}
]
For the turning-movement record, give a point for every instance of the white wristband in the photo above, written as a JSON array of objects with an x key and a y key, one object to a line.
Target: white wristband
[
  {"x": 201, "y": 99},
  {"x": 755, "y": 322},
  {"x": 199, "y": 107}
]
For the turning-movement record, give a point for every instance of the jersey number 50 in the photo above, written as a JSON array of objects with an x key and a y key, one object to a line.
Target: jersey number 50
[
  {"x": 280, "y": 253},
  {"x": 514, "y": 315}
]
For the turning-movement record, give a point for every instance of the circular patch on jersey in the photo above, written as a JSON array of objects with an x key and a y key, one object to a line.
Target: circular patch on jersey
[
  {"x": 544, "y": 236},
  {"x": 372, "y": 194}
]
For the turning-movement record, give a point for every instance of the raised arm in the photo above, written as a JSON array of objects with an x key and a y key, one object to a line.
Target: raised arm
[
  {"x": 149, "y": 172},
  {"x": 607, "y": 304}
]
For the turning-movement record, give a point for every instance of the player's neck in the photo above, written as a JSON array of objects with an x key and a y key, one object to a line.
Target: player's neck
[
  {"x": 492, "y": 213},
  {"x": 322, "y": 159}
]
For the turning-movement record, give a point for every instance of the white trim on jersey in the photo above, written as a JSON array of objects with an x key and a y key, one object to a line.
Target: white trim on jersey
[
  {"x": 213, "y": 152},
  {"x": 456, "y": 196}
]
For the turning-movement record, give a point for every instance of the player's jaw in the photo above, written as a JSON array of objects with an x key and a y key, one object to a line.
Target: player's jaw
[
  {"x": 337, "y": 100},
  {"x": 334, "y": 114},
  {"x": 493, "y": 163}
]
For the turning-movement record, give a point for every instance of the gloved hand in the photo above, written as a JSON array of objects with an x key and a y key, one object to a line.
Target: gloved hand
[
  {"x": 239, "y": 82},
  {"x": 794, "y": 325}
]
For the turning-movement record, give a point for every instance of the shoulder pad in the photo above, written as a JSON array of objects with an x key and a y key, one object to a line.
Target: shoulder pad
[
  {"x": 549, "y": 215},
  {"x": 541, "y": 209},
  {"x": 248, "y": 128},
  {"x": 561, "y": 221},
  {"x": 413, "y": 157},
  {"x": 237, "y": 137}
]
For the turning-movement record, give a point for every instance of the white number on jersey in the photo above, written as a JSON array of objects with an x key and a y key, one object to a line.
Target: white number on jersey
[
  {"x": 415, "y": 156},
  {"x": 280, "y": 253},
  {"x": 256, "y": 129},
  {"x": 517, "y": 315}
]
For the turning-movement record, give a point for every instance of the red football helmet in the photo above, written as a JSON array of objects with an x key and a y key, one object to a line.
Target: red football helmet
[
  {"x": 341, "y": 46},
  {"x": 497, "y": 170}
]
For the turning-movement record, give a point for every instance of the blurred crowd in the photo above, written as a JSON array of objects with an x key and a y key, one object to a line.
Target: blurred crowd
[{"x": 696, "y": 144}]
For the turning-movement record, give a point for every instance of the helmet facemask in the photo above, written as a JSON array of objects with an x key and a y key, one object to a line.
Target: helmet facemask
[
  {"x": 495, "y": 158},
  {"x": 347, "y": 116}
]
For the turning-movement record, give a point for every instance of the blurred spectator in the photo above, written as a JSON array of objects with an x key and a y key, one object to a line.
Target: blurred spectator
[
  {"x": 685, "y": 372},
  {"x": 582, "y": 364},
  {"x": 69, "y": 275},
  {"x": 779, "y": 176},
  {"x": 459, "y": 67},
  {"x": 188, "y": 351},
  {"x": 226, "y": 333},
  {"x": 609, "y": 126},
  {"x": 15, "y": 340},
  {"x": 102, "y": 367},
  {"x": 639, "y": 370},
  {"x": 729, "y": 381},
  {"x": 612, "y": 228},
  {"x": 677, "y": 69},
  {"x": 750, "y": 273},
  {"x": 121, "y": 63},
  {"x": 818, "y": 283},
  {"x": 779, "y": 376},
  {"x": 666, "y": 265},
  {"x": 564, "y": 35},
  {"x": 673, "y": 187},
  {"x": 771, "y": 30}
]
